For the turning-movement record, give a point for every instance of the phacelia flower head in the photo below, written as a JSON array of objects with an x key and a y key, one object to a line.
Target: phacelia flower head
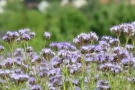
[
  {"x": 93, "y": 36},
  {"x": 26, "y": 37},
  {"x": 32, "y": 34},
  {"x": 114, "y": 42},
  {"x": 47, "y": 53},
  {"x": 10, "y": 37},
  {"x": 129, "y": 47},
  {"x": 106, "y": 38},
  {"x": 116, "y": 30},
  {"x": 47, "y": 35},
  {"x": 1, "y": 48},
  {"x": 103, "y": 85},
  {"x": 129, "y": 30},
  {"x": 24, "y": 31},
  {"x": 36, "y": 87},
  {"x": 82, "y": 39},
  {"x": 29, "y": 49}
]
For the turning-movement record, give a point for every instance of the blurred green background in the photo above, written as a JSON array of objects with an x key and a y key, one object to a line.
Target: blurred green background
[{"x": 65, "y": 19}]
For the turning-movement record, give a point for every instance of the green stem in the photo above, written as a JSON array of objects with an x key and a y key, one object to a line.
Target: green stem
[
  {"x": 127, "y": 39},
  {"x": 0, "y": 57},
  {"x": 44, "y": 43},
  {"x": 64, "y": 84},
  {"x": 133, "y": 43},
  {"x": 67, "y": 75},
  {"x": 24, "y": 50},
  {"x": 12, "y": 53},
  {"x": 82, "y": 82}
]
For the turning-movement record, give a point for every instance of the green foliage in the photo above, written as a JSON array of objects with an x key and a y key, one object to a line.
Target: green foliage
[{"x": 67, "y": 21}]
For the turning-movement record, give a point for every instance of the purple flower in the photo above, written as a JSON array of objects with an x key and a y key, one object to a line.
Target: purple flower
[
  {"x": 82, "y": 39},
  {"x": 84, "y": 49},
  {"x": 18, "y": 52},
  {"x": 47, "y": 53},
  {"x": 29, "y": 49},
  {"x": 103, "y": 45},
  {"x": 129, "y": 29},
  {"x": 63, "y": 53},
  {"x": 8, "y": 63},
  {"x": 55, "y": 62},
  {"x": 18, "y": 71},
  {"x": 62, "y": 46},
  {"x": 32, "y": 81},
  {"x": 56, "y": 80},
  {"x": 10, "y": 37},
  {"x": 54, "y": 45},
  {"x": 54, "y": 71},
  {"x": 9, "y": 34},
  {"x": 36, "y": 87},
  {"x": 32, "y": 34},
  {"x": 26, "y": 37},
  {"x": 93, "y": 37},
  {"x": 18, "y": 40},
  {"x": 35, "y": 59},
  {"x": 18, "y": 78},
  {"x": 126, "y": 62},
  {"x": 24, "y": 31},
  {"x": 15, "y": 34},
  {"x": 103, "y": 85},
  {"x": 116, "y": 30},
  {"x": 106, "y": 38},
  {"x": 129, "y": 47},
  {"x": 76, "y": 41},
  {"x": 88, "y": 58},
  {"x": 1, "y": 48},
  {"x": 47, "y": 35},
  {"x": 114, "y": 42},
  {"x": 77, "y": 88},
  {"x": 7, "y": 39}
]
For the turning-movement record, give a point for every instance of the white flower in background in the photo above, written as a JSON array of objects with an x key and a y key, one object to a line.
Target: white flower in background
[
  {"x": 79, "y": 3},
  {"x": 43, "y": 5},
  {"x": 76, "y": 3},
  {"x": 64, "y": 2},
  {"x": 2, "y": 4}
]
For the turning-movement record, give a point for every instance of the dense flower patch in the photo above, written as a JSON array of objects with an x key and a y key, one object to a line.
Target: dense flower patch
[{"x": 91, "y": 63}]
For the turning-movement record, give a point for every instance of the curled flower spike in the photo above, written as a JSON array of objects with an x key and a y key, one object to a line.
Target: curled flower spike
[
  {"x": 47, "y": 53},
  {"x": 93, "y": 37},
  {"x": 1, "y": 48},
  {"x": 129, "y": 30},
  {"x": 24, "y": 31},
  {"x": 32, "y": 34},
  {"x": 129, "y": 47},
  {"x": 47, "y": 35},
  {"x": 84, "y": 39},
  {"x": 103, "y": 85},
  {"x": 36, "y": 87},
  {"x": 106, "y": 38},
  {"x": 26, "y": 37},
  {"x": 18, "y": 40},
  {"x": 29, "y": 49},
  {"x": 114, "y": 42},
  {"x": 32, "y": 81},
  {"x": 116, "y": 30},
  {"x": 10, "y": 37}
]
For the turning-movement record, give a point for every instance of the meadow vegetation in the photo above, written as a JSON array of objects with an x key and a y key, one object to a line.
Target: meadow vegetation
[{"x": 90, "y": 63}]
